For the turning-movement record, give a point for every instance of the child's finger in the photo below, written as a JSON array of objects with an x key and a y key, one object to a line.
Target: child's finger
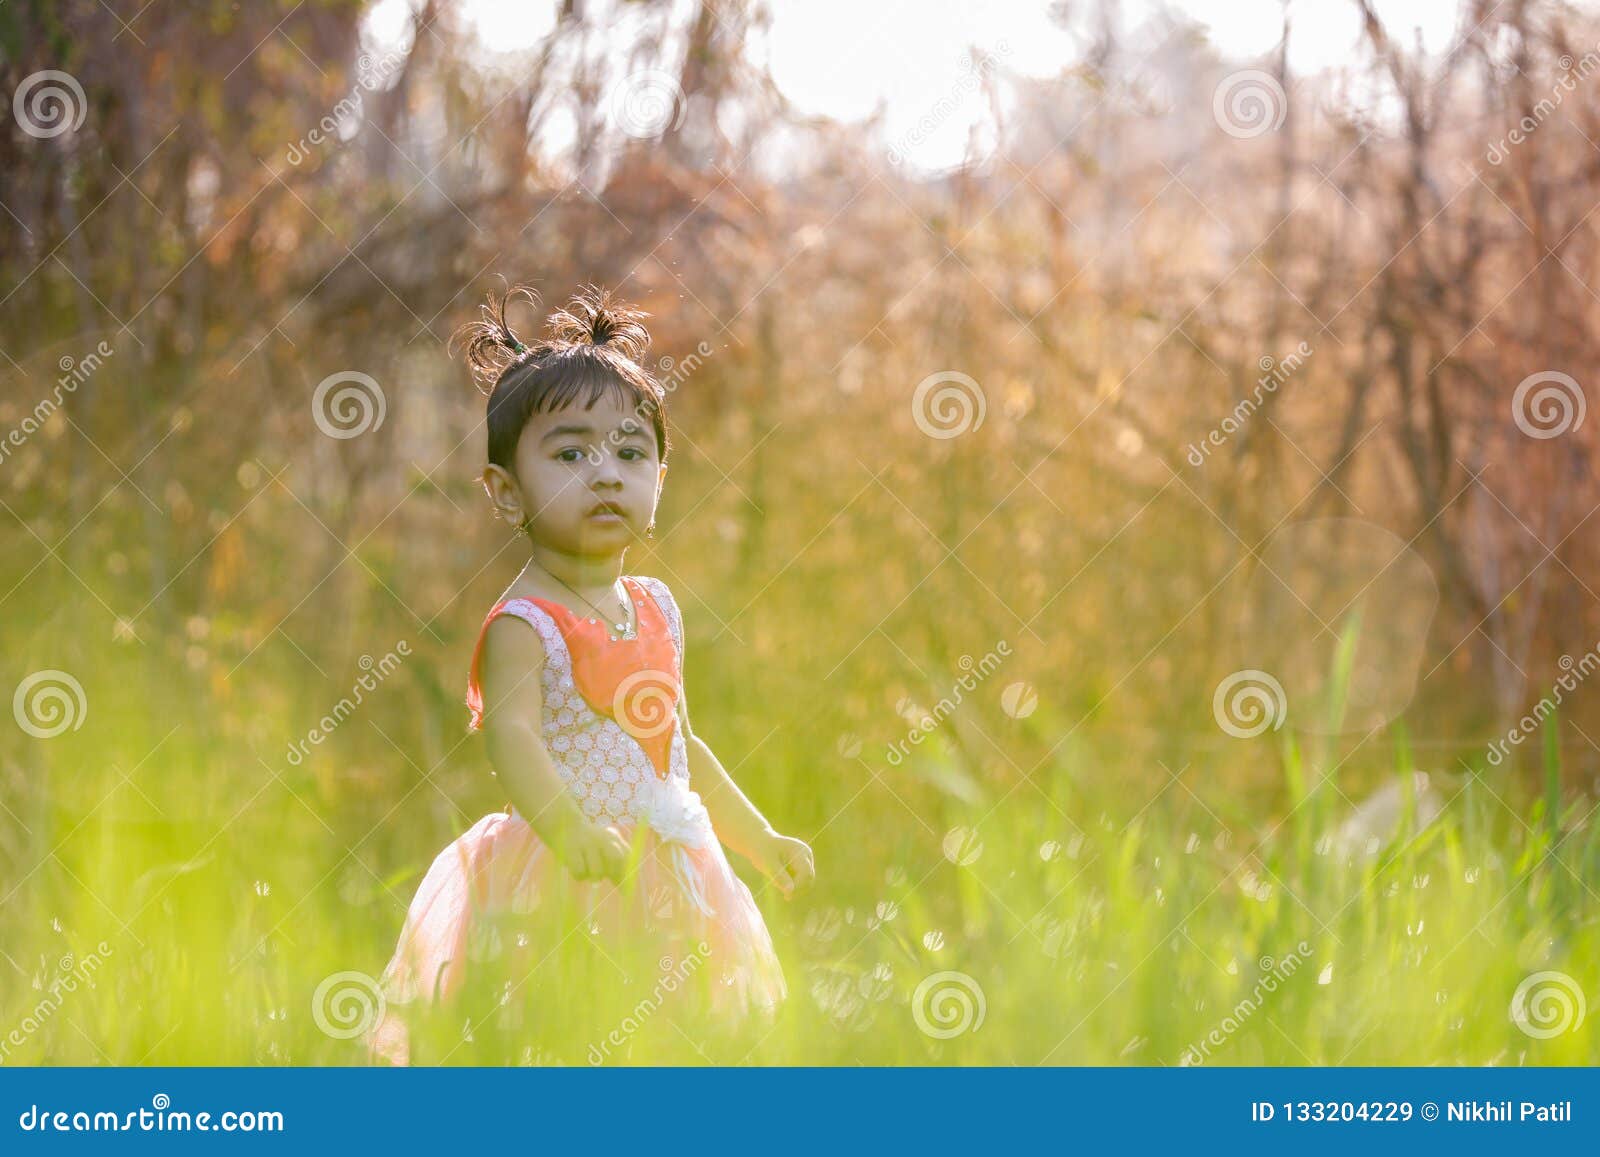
[{"x": 798, "y": 864}]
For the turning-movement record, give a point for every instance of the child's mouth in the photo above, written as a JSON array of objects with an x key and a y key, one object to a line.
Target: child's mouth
[{"x": 605, "y": 513}]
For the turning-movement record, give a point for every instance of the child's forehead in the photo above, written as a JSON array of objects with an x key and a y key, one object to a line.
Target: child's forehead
[{"x": 607, "y": 413}]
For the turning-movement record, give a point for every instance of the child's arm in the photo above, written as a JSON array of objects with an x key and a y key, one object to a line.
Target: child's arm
[
  {"x": 738, "y": 823},
  {"x": 513, "y": 703}
]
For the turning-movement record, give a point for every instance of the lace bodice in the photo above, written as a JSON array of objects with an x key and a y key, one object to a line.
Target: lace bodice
[{"x": 604, "y": 767}]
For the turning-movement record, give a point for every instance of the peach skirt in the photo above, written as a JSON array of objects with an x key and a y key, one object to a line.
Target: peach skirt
[{"x": 681, "y": 904}]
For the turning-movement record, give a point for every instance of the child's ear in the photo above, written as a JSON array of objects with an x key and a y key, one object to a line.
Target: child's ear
[{"x": 502, "y": 491}]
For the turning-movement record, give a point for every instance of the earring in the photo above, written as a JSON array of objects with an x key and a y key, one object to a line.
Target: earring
[{"x": 650, "y": 531}]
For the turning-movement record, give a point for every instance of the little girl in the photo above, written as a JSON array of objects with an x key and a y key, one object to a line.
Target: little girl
[{"x": 577, "y": 683}]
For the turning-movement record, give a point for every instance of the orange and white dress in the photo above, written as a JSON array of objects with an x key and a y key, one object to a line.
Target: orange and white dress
[{"x": 610, "y": 724}]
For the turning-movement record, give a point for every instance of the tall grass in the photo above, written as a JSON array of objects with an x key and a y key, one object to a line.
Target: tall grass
[{"x": 1087, "y": 926}]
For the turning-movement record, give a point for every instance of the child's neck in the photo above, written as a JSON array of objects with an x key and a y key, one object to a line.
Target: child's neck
[{"x": 582, "y": 574}]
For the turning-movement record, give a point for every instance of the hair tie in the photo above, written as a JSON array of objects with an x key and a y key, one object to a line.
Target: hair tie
[{"x": 518, "y": 346}]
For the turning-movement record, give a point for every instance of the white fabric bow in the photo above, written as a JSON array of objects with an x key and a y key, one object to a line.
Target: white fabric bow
[{"x": 679, "y": 817}]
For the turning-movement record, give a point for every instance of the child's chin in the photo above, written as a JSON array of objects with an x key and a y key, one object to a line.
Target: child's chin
[{"x": 595, "y": 534}]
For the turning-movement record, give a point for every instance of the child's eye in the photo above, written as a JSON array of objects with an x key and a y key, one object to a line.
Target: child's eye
[
  {"x": 562, "y": 454},
  {"x": 632, "y": 453}
]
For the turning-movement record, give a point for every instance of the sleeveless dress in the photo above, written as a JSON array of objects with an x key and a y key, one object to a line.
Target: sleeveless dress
[{"x": 610, "y": 726}]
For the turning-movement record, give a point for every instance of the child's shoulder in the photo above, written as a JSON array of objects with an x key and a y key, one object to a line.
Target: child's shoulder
[
  {"x": 506, "y": 650},
  {"x": 651, "y": 584},
  {"x": 662, "y": 594},
  {"x": 657, "y": 589},
  {"x": 508, "y": 623}
]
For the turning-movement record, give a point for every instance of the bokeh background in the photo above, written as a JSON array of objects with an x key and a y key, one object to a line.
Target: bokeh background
[{"x": 1130, "y": 502}]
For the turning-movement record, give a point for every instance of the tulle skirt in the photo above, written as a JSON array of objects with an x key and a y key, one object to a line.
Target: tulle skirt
[{"x": 499, "y": 902}]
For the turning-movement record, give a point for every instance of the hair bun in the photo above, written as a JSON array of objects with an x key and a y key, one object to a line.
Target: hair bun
[
  {"x": 491, "y": 346},
  {"x": 595, "y": 317}
]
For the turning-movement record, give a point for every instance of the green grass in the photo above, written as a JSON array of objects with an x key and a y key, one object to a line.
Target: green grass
[
  {"x": 1090, "y": 921},
  {"x": 1093, "y": 940}
]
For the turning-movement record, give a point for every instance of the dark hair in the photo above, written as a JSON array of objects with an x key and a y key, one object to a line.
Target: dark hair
[{"x": 594, "y": 345}]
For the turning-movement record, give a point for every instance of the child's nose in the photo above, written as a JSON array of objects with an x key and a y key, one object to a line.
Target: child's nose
[{"x": 608, "y": 469}]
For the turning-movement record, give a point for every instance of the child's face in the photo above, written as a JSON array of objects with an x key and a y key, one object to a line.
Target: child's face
[{"x": 572, "y": 463}]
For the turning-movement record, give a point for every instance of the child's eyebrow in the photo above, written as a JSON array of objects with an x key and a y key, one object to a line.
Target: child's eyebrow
[
  {"x": 557, "y": 431},
  {"x": 631, "y": 430}
]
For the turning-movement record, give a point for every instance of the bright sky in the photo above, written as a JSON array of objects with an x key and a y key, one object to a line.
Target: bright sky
[{"x": 842, "y": 58}]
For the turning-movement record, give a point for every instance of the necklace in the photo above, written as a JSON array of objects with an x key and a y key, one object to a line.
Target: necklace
[{"x": 627, "y": 628}]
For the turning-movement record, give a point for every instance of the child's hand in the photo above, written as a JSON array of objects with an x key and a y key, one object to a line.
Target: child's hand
[
  {"x": 592, "y": 852},
  {"x": 786, "y": 861}
]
